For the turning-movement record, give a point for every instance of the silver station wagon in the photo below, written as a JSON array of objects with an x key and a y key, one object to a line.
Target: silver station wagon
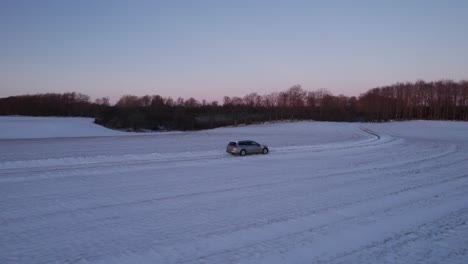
[{"x": 244, "y": 147}]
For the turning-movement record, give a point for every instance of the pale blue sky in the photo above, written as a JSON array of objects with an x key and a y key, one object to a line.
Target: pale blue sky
[{"x": 207, "y": 49}]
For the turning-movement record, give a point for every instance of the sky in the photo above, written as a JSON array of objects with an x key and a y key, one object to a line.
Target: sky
[{"x": 209, "y": 49}]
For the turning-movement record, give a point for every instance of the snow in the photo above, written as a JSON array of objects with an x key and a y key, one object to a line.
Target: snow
[
  {"x": 327, "y": 192},
  {"x": 13, "y": 127}
]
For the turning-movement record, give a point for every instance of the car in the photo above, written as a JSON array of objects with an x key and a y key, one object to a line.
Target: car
[{"x": 244, "y": 147}]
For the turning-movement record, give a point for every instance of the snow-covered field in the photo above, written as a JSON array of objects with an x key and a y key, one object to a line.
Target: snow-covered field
[
  {"x": 327, "y": 192},
  {"x": 15, "y": 127}
]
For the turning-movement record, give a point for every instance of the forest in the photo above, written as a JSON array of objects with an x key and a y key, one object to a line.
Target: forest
[{"x": 437, "y": 100}]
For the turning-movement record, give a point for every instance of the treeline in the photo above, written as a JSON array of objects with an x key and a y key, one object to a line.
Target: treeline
[
  {"x": 52, "y": 104},
  {"x": 161, "y": 113},
  {"x": 440, "y": 100}
]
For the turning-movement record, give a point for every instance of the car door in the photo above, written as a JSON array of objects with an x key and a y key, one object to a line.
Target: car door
[
  {"x": 243, "y": 145},
  {"x": 256, "y": 148},
  {"x": 248, "y": 147}
]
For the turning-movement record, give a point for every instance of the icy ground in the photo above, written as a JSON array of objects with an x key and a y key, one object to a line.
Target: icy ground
[{"x": 326, "y": 193}]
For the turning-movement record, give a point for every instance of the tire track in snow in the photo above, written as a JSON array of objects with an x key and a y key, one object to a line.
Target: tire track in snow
[
  {"x": 336, "y": 208},
  {"x": 138, "y": 159},
  {"x": 441, "y": 228},
  {"x": 223, "y": 219},
  {"x": 308, "y": 235},
  {"x": 9, "y": 170},
  {"x": 293, "y": 181}
]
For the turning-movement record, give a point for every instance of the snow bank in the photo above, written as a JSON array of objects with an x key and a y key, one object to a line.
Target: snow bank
[{"x": 15, "y": 127}]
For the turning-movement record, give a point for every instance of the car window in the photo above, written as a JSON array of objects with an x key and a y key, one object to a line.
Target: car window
[
  {"x": 232, "y": 143},
  {"x": 242, "y": 143}
]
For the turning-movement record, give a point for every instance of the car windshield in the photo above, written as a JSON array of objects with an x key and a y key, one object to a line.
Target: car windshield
[{"x": 232, "y": 144}]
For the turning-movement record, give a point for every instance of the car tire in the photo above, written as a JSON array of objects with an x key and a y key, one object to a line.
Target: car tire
[
  {"x": 265, "y": 151},
  {"x": 242, "y": 152}
]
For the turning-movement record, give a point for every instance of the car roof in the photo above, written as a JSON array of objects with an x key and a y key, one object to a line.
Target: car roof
[{"x": 245, "y": 140}]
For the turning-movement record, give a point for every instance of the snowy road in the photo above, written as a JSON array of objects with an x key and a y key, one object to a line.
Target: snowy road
[{"x": 327, "y": 192}]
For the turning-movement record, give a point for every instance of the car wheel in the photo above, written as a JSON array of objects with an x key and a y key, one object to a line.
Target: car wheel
[
  {"x": 265, "y": 151},
  {"x": 242, "y": 152}
]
